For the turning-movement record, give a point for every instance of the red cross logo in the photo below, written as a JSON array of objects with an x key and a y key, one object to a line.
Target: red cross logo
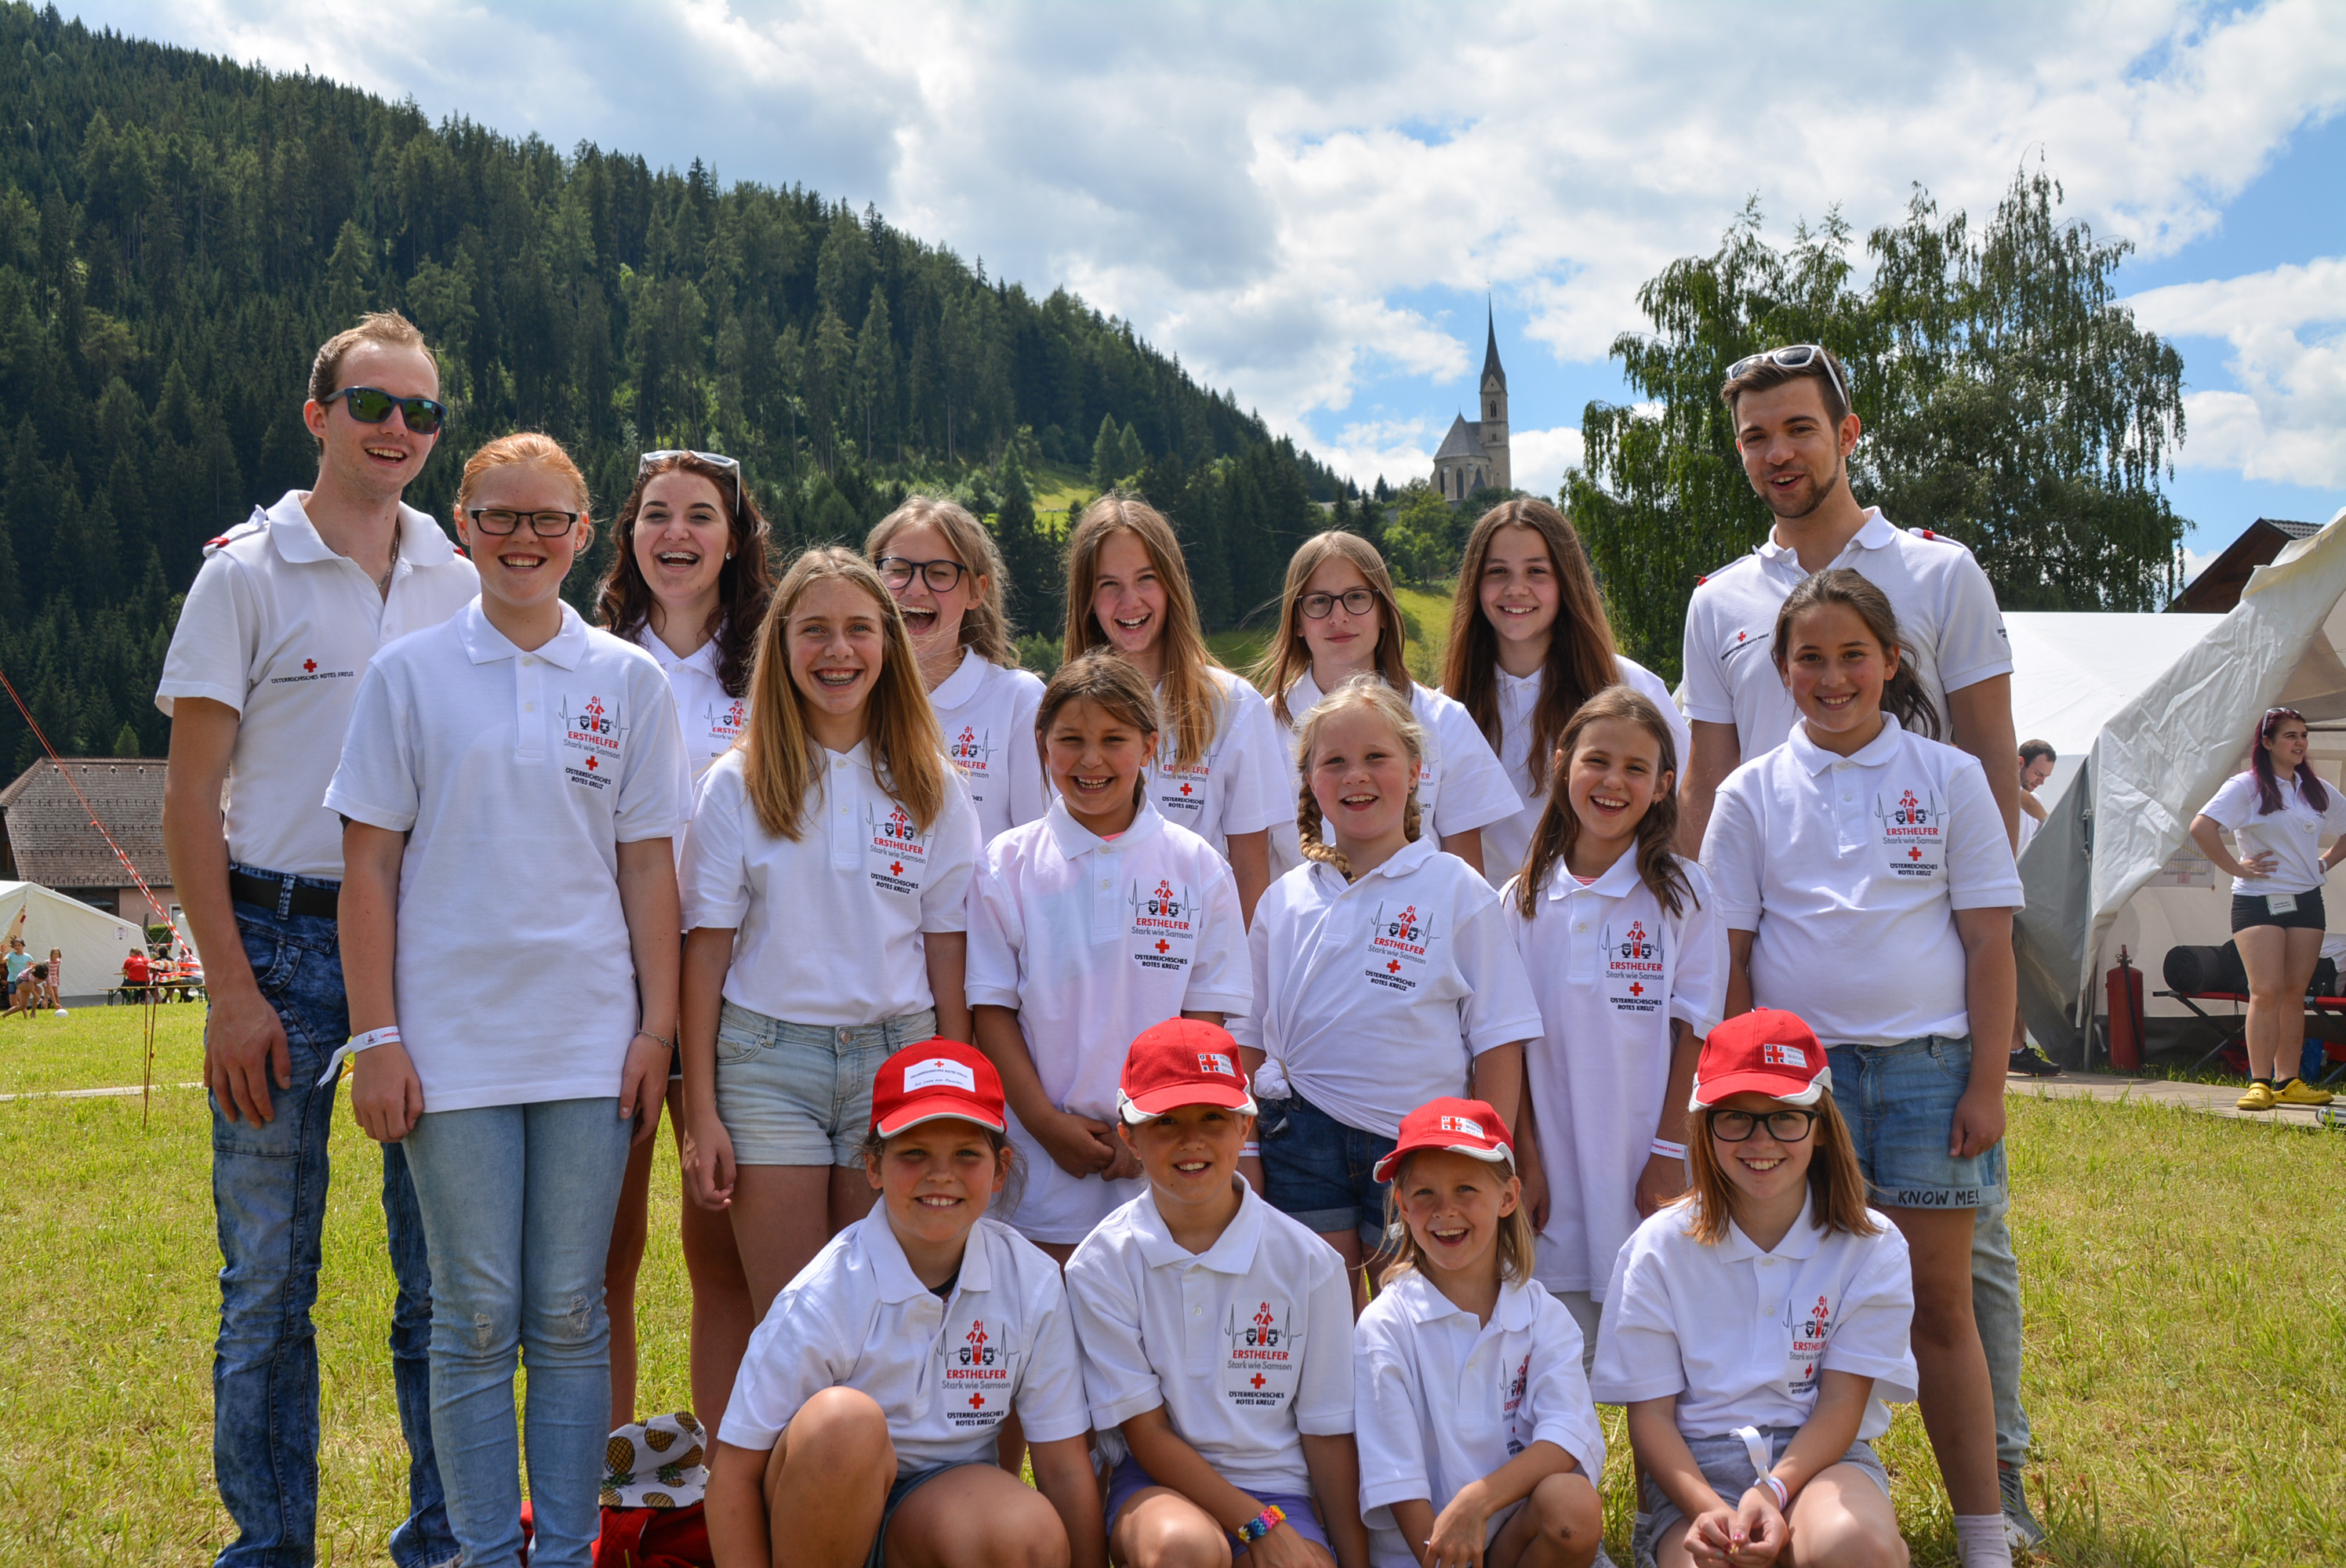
[
  {"x": 590, "y": 765},
  {"x": 895, "y": 868},
  {"x": 1393, "y": 966},
  {"x": 1184, "y": 790},
  {"x": 1784, "y": 1056},
  {"x": 1256, "y": 1379},
  {"x": 308, "y": 666},
  {"x": 1915, "y": 853},
  {"x": 1741, "y": 636},
  {"x": 1162, "y": 945},
  {"x": 1637, "y": 988},
  {"x": 977, "y": 1402}
]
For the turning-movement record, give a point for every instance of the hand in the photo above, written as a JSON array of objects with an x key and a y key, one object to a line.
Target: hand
[
  {"x": 2255, "y": 868},
  {"x": 1125, "y": 1166},
  {"x": 1534, "y": 1179},
  {"x": 1662, "y": 1181},
  {"x": 1979, "y": 1123},
  {"x": 244, "y": 1048},
  {"x": 1710, "y": 1537},
  {"x": 643, "y": 1085},
  {"x": 1284, "y": 1547},
  {"x": 1077, "y": 1145},
  {"x": 1459, "y": 1532},
  {"x": 1758, "y": 1534},
  {"x": 707, "y": 1155},
  {"x": 386, "y": 1096}
]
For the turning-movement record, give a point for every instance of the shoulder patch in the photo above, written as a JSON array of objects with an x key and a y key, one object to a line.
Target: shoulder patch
[
  {"x": 1938, "y": 538},
  {"x": 256, "y": 524}
]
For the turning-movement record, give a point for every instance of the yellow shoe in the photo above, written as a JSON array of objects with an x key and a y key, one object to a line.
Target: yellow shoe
[
  {"x": 2260, "y": 1097},
  {"x": 2297, "y": 1091}
]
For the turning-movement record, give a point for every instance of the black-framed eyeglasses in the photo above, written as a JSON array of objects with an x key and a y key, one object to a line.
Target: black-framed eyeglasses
[
  {"x": 939, "y": 575},
  {"x": 501, "y": 520},
  {"x": 1796, "y": 357},
  {"x": 372, "y": 406},
  {"x": 1788, "y": 1126},
  {"x": 731, "y": 465},
  {"x": 1319, "y": 607}
]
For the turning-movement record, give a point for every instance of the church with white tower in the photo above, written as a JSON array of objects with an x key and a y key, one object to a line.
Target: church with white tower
[{"x": 1474, "y": 452}]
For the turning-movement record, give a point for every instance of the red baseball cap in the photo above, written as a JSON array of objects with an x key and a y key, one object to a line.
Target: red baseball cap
[
  {"x": 1181, "y": 1061},
  {"x": 1764, "y": 1052},
  {"x": 1467, "y": 1128},
  {"x": 936, "y": 1079}
]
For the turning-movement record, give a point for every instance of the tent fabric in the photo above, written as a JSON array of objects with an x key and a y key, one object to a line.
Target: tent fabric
[
  {"x": 93, "y": 942},
  {"x": 2159, "y": 756}
]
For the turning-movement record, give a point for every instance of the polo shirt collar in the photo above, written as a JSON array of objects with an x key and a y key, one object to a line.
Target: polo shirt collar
[
  {"x": 1232, "y": 1252},
  {"x": 1815, "y": 758},
  {"x": 1417, "y": 1297},
  {"x": 1618, "y": 881},
  {"x": 1874, "y": 533},
  {"x": 1799, "y": 1242},
  {"x": 891, "y": 1271},
  {"x": 1405, "y": 860},
  {"x": 702, "y": 658},
  {"x": 486, "y": 644},
  {"x": 1519, "y": 691},
  {"x": 1074, "y": 839},
  {"x": 298, "y": 541},
  {"x": 962, "y": 685}
]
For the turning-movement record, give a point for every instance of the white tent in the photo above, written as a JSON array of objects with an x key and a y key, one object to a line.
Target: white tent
[
  {"x": 93, "y": 942},
  {"x": 2151, "y": 714}
]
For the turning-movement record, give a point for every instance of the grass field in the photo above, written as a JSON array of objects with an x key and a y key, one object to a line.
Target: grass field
[{"x": 2186, "y": 1327}]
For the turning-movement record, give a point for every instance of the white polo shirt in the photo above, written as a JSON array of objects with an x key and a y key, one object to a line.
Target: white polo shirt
[
  {"x": 711, "y": 717},
  {"x": 1851, "y": 870},
  {"x": 515, "y": 776},
  {"x": 1506, "y": 844},
  {"x": 1440, "y": 1399},
  {"x": 1241, "y": 786},
  {"x": 1740, "y": 1335},
  {"x": 987, "y": 715},
  {"x": 1094, "y": 940},
  {"x": 946, "y": 1370},
  {"x": 1247, "y": 1345},
  {"x": 1613, "y": 969},
  {"x": 829, "y": 929},
  {"x": 1461, "y": 788},
  {"x": 280, "y": 627},
  {"x": 1375, "y": 996},
  {"x": 2292, "y": 835},
  {"x": 1946, "y": 616}
]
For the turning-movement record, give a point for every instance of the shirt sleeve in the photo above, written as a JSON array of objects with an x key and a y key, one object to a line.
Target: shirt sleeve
[
  {"x": 1247, "y": 1028},
  {"x": 1222, "y": 978},
  {"x": 1707, "y": 700},
  {"x": 1323, "y": 1393},
  {"x": 1117, "y": 1379},
  {"x": 213, "y": 650},
  {"x": 789, "y": 1362},
  {"x": 2234, "y": 804},
  {"x": 1639, "y": 679},
  {"x": 1500, "y": 1008},
  {"x": 1030, "y": 790},
  {"x": 1638, "y": 1339},
  {"x": 1257, "y": 759},
  {"x": 1877, "y": 1311},
  {"x": 1973, "y": 646},
  {"x": 656, "y": 789},
  {"x": 996, "y": 933},
  {"x": 376, "y": 782},
  {"x": 1981, "y": 872},
  {"x": 1698, "y": 985},
  {"x": 944, "y": 898},
  {"x": 1732, "y": 852},
  {"x": 1050, "y": 1398},
  {"x": 1561, "y": 1410},
  {"x": 1475, "y": 792},
  {"x": 713, "y": 871},
  {"x": 1390, "y": 1436}
]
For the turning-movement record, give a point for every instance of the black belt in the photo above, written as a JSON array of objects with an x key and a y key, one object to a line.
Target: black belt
[{"x": 284, "y": 896}]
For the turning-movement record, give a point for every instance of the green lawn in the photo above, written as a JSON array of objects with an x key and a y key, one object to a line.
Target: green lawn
[{"x": 2187, "y": 1329}]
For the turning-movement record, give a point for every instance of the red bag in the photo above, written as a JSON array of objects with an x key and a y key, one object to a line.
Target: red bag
[{"x": 654, "y": 1538}]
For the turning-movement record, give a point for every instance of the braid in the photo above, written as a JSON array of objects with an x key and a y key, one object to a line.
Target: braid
[{"x": 1307, "y": 828}]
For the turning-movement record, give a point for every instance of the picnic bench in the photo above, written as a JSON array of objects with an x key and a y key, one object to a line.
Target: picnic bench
[{"x": 2315, "y": 1007}]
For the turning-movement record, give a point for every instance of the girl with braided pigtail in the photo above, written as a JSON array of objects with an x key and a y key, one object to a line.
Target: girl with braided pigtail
[{"x": 1383, "y": 976}]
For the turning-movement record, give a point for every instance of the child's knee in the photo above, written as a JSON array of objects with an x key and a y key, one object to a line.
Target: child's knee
[
  {"x": 1570, "y": 1516},
  {"x": 1177, "y": 1538},
  {"x": 1840, "y": 1537},
  {"x": 840, "y": 1422}
]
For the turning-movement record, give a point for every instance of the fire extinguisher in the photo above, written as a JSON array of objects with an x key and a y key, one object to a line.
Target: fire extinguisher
[{"x": 2126, "y": 1015}]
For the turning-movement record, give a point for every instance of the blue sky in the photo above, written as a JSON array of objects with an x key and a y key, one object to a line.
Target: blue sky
[{"x": 1307, "y": 200}]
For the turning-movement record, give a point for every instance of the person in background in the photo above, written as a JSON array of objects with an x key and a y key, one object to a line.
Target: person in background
[
  {"x": 135, "y": 972},
  {"x": 263, "y": 668},
  {"x": 20, "y": 983},
  {"x": 56, "y": 969},
  {"x": 2277, "y": 812},
  {"x": 2036, "y": 760},
  {"x": 688, "y": 583}
]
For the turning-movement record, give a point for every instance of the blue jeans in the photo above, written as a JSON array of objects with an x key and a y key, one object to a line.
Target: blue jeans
[
  {"x": 269, "y": 1195},
  {"x": 1996, "y": 1305},
  {"x": 1321, "y": 1173},
  {"x": 518, "y": 1203}
]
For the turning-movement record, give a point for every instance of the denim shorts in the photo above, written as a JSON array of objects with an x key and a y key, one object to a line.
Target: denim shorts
[
  {"x": 1900, "y": 1104},
  {"x": 907, "y": 1483},
  {"x": 1321, "y": 1173},
  {"x": 800, "y": 1094},
  {"x": 1726, "y": 1464},
  {"x": 2251, "y": 910}
]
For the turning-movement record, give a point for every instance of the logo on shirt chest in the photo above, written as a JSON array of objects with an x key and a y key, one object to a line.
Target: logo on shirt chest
[
  {"x": 725, "y": 720},
  {"x": 1636, "y": 980},
  {"x": 1164, "y": 926},
  {"x": 1810, "y": 1334},
  {"x": 594, "y": 739},
  {"x": 1913, "y": 833},
  {"x": 971, "y": 755},
  {"x": 1401, "y": 944},
  {"x": 896, "y": 852},
  {"x": 977, "y": 1382},
  {"x": 1259, "y": 1369},
  {"x": 1181, "y": 789},
  {"x": 306, "y": 670},
  {"x": 1511, "y": 1403}
]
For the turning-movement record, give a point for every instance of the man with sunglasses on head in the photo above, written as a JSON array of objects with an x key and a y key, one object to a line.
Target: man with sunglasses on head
[
  {"x": 1794, "y": 430},
  {"x": 263, "y": 669}
]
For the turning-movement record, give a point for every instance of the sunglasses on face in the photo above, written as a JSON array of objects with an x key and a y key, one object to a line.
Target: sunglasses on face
[
  {"x": 732, "y": 467},
  {"x": 1786, "y": 1127},
  {"x": 498, "y": 521},
  {"x": 1795, "y": 357},
  {"x": 372, "y": 406},
  {"x": 939, "y": 575},
  {"x": 1320, "y": 606}
]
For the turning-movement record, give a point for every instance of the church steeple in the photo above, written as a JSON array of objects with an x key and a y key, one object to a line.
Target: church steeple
[{"x": 1492, "y": 369}]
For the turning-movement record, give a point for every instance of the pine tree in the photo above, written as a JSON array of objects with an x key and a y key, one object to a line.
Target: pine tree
[
  {"x": 1106, "y": 454},
  {"x": 1036, "y": 585}
]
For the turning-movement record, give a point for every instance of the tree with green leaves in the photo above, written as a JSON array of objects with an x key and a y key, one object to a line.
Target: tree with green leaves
[
  {"x": 1036, "y": 588},
  {"x": 1107, "y": 457},
  {"x": 2008, "y": 400}
]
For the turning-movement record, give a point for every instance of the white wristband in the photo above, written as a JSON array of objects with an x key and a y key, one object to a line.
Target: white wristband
[
  {"x": 1776, "y": 1488},
  {"x": 386, "y": 1035},
  {"x": 1669, "y": 1150},
  {"x": 1250, "y": 1151}
]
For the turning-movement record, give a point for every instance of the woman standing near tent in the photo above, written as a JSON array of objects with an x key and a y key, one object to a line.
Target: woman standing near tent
[{"x": 2278, "y": 918}]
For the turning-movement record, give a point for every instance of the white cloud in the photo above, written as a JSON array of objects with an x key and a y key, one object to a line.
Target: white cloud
[
  {"x": 1539, "y": 457},
  {"x": 2287, "y": 329}
]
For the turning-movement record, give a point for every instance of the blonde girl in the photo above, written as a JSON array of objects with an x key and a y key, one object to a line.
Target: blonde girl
[
  {"x": 1529, "y": 643},
  {"x": 947, "y": 577},
  {"x": 1218, "y": 771},
  {"x": 1338, "y": 618},
  {"x": 825, "y": 878}
]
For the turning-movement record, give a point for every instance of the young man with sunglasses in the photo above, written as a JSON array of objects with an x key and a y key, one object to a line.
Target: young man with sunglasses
[
  {"x": 1794, "y": 430},
  {"x": 263, "y": 668}
]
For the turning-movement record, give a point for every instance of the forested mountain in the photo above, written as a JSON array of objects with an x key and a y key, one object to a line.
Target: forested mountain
[{"x": 177, "y": 233}]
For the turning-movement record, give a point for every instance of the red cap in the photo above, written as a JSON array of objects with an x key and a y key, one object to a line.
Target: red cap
[
  {"x": 1467, "y": 1128},
  {"x": 1765, "y": 1052},
  {"x": 1181, "y": 1061},
  {"x": 933, "y": 1080}
]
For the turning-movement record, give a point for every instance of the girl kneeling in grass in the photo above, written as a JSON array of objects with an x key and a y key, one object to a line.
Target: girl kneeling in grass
[
  {"x": 1478, "y": 1441},
  {"x": 861, "y": 1427},
  {"x": 1756, "y": 1327}
]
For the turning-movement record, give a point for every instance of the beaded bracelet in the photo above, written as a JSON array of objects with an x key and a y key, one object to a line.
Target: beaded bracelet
[{"x": 1262, "y": 1525}]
